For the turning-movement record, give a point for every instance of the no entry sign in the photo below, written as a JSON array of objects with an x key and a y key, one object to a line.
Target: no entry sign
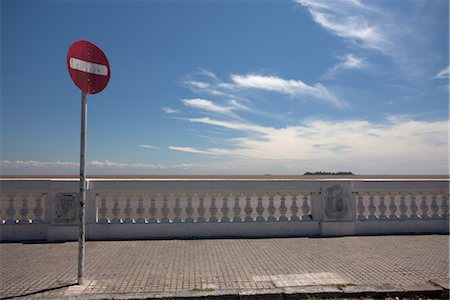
[{"x": 88, "y": 67}]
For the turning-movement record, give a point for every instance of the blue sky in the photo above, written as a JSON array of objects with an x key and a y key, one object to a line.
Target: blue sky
[{"x": 229, "y": 87}]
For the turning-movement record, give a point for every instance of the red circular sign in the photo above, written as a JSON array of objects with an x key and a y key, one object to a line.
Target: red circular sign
[{"x": 88, "y": 67}]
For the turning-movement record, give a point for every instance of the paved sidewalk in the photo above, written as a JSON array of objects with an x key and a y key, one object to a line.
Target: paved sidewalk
[{"x": 233, "y": 268}]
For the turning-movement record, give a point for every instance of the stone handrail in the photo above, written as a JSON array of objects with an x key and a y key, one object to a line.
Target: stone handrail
[{"x": 179, "y": 208}]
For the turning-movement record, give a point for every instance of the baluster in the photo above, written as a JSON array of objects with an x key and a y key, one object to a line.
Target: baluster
[
  {"x": 271, "y": 209},
  {"x": 403, "y": 208},
  {"x": 38, "y": 211},
  {"x": 140, "y": 211},
  {"x": 382, "y": 208},
  {"x": 1, "y": 209},
  {"x": 116, "y": 211},
  {"x": 371, "y": 207},
  {"x": 165, "y": 210},
  {"x": 248, "y": 210},
  {"x": 424, "y": 207},
  {"x": 171, "y": 199},
  {"x": 201, "y": 211},
  {"x": 260, "y": 210},
  {"x": 434, "y": 207},
  {"x": 177, "y": 210},
  {"x": 102, "y": 211},
  {"x": 413, "y": 207},
  {"x": 294, "y": 208},
  {"x": 11, "y": 212},
  {"x": 360, "y": 206},
  {"x": 128, "y": 210},
  {"x": 152, "y": 210},
  {"x": 392, "y": 207},
  {"x": 236, "y": 210},
  {"x": 189, "y": 210},
  {"x": 283, "y": 210},
  {"x": 225, "y": 209},
  {"x": 305, "y": 208},
  {"x": 24, "y": 211},
  {"x": 213, "y": 210},
  {"x": 444, "y": 206}
]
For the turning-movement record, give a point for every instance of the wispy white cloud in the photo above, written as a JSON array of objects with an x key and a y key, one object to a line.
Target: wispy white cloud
[
  {"x": 33, "y": 167},
  {"x": 403, "y": 35},
  {"x": 210, "y": 106},
  {"x": 231, "y": 125},
  {"x": 188, "y": 149},
  {"x": 286, "y": 86},
  {"x": 234, "y": 91},
  {"x": 351, "y": 20},
  {"x": 206, "y": 82},
  {"x": 37, "y": 164},
  {"x": 119, "y": 165},
  {"x": 347, "y": 62},
  {"x": 444, "y": 73},
  {"x": 207, "y": 73},
  {"x": 148, "y": 146},
  {"x": 169, "y": 110},
  {"x": 209, "y": 151},
  {"x": 395, "y": 143},
  {"x": 73, "y": 165},
  {"x": 197, "y": 84},
  {"x": 20, "y": 167}
]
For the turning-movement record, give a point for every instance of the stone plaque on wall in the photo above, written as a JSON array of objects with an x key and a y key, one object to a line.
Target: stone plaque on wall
[
  {"x": 335, "y": 206},
  {"x": 337, "y": 202},
  {"x": 65, "y": 209}
]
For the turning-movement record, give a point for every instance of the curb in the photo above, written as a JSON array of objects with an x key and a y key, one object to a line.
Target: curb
[{"x": 306, "y": 292}]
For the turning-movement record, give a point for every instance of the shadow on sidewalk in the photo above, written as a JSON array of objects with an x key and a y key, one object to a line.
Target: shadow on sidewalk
[{"x": 38, "y": 291}]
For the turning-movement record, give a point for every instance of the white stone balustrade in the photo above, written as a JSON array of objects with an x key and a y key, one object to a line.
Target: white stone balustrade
[
  {"x": 170, "y": 208},
  {"x": 143, "y": 208},
  {"x": 402, "y": 205},
  {"x": 22, "y": 208}
]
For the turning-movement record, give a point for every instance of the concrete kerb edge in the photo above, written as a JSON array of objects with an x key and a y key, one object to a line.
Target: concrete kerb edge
[{"x": 304, "y": 292}]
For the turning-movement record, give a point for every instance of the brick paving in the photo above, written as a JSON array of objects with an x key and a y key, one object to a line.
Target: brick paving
[{"x": 141, "y": 269}]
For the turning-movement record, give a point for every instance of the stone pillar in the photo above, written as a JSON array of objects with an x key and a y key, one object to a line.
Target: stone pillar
[{"x": 338, "y": 208}]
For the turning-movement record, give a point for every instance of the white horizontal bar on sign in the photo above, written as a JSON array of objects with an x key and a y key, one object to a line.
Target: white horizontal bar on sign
[{"x": 88, "y": 67}]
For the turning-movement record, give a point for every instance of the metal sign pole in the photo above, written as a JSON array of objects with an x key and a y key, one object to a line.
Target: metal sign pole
[
  {"x": 89, "y": 69},
  {"x": 82, "y": 232}
]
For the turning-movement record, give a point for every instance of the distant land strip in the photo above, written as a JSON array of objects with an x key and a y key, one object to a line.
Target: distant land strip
[{"x": 231, "y": 177}]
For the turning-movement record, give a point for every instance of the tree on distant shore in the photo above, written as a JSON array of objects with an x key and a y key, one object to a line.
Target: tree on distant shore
[{"x": 328, "y": 173}]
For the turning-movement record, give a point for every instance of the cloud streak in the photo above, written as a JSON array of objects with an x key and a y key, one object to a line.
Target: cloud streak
[
  {"x": 169, "y": 110},
  {"x": 355, "y": 144},
  {"x": 188, "y": 149},
  {"x": 232, "y": 125},
  {"x": 444, "y": 73},
  {"x": 210, "y": 106},
  {"x": 235, "y": 91},
  {"x": 404, "y": 35},
  {"x": 349, "y": 20},
  {"x": 37, "y": 164},
  {"x": 347, "y": 62},
  {"x": 288, "y": 87},
  {"x": 395, "y": 143},
  {"x": 209, "y": 151},
  {"x": 148, "y": 146},
  {"x": 73, "y": 165},
  {"x": 96, "y": 167}
]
